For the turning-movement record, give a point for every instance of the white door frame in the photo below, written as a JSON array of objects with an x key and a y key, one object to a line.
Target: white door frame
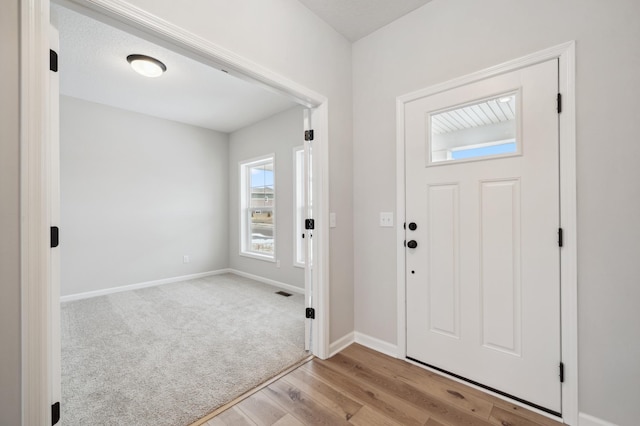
[
  {"x": 35, "y": 167},
  {"x": 568, "y": 264}
]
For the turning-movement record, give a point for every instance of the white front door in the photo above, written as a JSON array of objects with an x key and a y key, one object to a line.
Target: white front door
[{"x": 482, "y": 217}]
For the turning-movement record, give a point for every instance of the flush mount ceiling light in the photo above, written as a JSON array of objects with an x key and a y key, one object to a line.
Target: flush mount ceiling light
[
  {"x": 146, "y": 65},
  {"x": 505, "y": 99}
]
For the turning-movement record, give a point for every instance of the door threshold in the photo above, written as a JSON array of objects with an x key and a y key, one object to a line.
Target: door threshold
[
  {"x": 489, "y": 388},
  {"x": 250, "y": 392}
]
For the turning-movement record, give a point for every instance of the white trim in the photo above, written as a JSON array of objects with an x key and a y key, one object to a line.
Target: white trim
[
  {"x": 321, "y": 273},
  {"x": 269, "y": 281},
  {"x": 341, "y": 343},
  {"x": 35, "y": 213},
  {"x": 569, "y": 295},
  {"x": 587, "y": 420},
  {"x": 568, "y": 221},
  {"x": 129, "y": 287},
  {"x": 376, "y": 344}
]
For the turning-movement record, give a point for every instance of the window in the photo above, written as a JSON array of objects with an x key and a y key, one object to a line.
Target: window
[
  {"x": 258, "y": 210},
  {"x": 486, "y": 128},
  {"x": 299, "y": 207}
]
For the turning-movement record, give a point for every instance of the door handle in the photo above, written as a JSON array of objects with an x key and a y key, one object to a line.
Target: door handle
[{"x": 412, "y": 244}]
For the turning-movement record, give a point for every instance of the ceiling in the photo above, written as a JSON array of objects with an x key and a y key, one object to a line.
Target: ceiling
[
  {"x": 93, "y": 67},
  {"x": 355, "y": 19}
]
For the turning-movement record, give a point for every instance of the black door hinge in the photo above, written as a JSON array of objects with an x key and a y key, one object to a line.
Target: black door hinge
[
  {"x": 55, "y": 236},
  {"x": 560, "y": 237},
  {"x": 55, "y": 413},
  {"x": 309, "y": 224},
  {"x": 53, "y": 61},
  {"x": 308, "y": 135},
  {"x": 559, "y": 103},
  {"x": 310, "y": 313},
  {"x": 561, "y": 372}
]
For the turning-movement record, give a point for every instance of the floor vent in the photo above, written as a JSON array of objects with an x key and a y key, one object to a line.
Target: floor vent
[{"x": 283, "y": 293}]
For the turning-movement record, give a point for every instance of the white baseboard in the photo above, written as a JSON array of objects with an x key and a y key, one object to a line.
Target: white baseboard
[
  {"x": 288, "y": 287},
  {"x": 587, "y": 420},
  {"x": 341, "y": 343},
  {"x": 377, "y": 344},
  {"x": 129, "y": 287}
]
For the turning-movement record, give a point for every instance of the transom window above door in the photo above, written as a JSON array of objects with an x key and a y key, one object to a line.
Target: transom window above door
[{"x": 473, "y": 131}]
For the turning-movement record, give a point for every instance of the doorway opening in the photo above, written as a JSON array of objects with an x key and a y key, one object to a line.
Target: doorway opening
[{"x": 315, "y": 297}]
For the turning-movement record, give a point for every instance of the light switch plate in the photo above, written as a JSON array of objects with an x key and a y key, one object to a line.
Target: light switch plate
[
  {"x": 386, "y": 219},
  {"x": 332, "y": 220}
]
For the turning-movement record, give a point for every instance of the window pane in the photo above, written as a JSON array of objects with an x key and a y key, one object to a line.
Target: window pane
[
  {"x": 483, "y": 129},
  {"x": 258, "y": 208},
  {"x": 300, "y": 207},
  {"x": 262, "y": 217}
]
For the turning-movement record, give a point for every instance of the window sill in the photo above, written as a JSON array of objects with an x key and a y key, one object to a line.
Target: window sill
[{"x": 265, "y": 258}]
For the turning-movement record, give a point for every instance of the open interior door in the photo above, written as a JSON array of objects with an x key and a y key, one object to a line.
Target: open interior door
[
  {"x": 54, "y": 207},
  {"x": 308, "y": 231}
]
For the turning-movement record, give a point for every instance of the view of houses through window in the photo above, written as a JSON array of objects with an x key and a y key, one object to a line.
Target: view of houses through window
[{"x": 258, "y": 185}]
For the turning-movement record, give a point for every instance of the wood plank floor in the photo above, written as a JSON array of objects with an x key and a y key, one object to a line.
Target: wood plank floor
[{"x": 362, "y": 387}]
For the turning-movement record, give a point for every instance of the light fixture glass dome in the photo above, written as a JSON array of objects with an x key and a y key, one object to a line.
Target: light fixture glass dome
[{"x": 146, "y": 65}]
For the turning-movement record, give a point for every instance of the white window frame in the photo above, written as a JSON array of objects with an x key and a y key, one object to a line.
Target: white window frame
[
  {"x": 299, "y": 206},
  {"x": 245, "y": 205}
]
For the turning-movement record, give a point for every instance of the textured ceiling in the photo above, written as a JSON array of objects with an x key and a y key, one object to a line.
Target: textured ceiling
[
  {"x": 355, "y": 19},
  {"x": 93, "y": 67}
]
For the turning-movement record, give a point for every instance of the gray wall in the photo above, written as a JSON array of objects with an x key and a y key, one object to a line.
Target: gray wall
[
  {"x": 10, "y": 389},
  {"x": 446, "y": 39},
  {"x": 278, "y": 134},
  {"x": 138, "y": 193},
  {"x": 288, "y": 39}
]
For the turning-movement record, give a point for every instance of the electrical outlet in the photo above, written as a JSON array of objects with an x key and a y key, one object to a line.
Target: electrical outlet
[
  {"x": 386, "y": 219},
  {"x": 332, "y": 220},
  {"x": 185, "y": 259},
  {"x": 278, "y": 263}
]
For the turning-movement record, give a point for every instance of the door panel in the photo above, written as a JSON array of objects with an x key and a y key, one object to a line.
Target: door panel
[
  {"x": 482, "y": 184},
  {"x": 443, "y": 252}
]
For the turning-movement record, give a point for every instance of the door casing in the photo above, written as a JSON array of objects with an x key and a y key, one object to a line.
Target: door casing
[{"x": 565, "y": 53}]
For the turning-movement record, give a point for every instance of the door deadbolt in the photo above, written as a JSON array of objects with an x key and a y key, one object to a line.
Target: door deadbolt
[{"x": 413, "y": 226}]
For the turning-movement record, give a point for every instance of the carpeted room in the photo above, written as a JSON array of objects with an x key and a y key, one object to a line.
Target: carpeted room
[{"x": 162, "y": 318}]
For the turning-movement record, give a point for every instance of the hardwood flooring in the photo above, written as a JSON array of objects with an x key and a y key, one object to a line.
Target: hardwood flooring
[{"x": 362, "y": 387}]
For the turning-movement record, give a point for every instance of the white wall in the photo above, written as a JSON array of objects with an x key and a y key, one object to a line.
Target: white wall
[
  {"x": 10, "y": 377},
  {"x": 138, "y": 193},
  {"x": 446, "y": 39},
  {"x": 285, "y": 37},
  {"x": 277, "y": 135}
]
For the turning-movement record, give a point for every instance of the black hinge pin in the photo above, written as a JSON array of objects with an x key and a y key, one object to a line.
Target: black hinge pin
[
  {"x": 561, "y": 372},
  {"x": 53, "y": 60},
  {"x": 55, "y": 236},
  {"x": 308, "y": 135},
  {"x": 560, "y": 237},
  {"x": 310, "y": 313},
  {"x": 559, "y": 103},
  {"x": 55, "y": 413}
]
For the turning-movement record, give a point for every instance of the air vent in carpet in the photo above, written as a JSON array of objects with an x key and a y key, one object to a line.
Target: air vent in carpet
[{"x": 283, "y": 293}]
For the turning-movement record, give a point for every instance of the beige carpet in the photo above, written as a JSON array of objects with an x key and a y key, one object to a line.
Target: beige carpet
[{"x": 169, "y": 355}]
